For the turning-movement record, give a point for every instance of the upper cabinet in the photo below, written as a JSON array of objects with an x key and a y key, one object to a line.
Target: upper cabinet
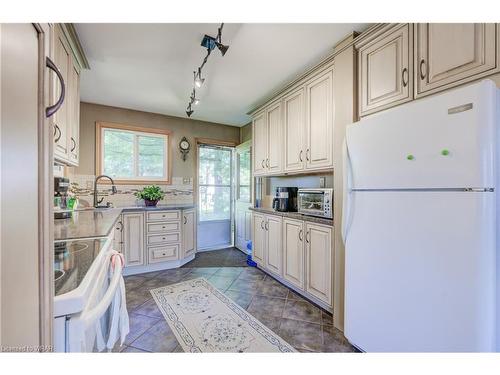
[
  {"x": 294, "y": 133},
  {"x": 385, "y": 69},
  {"x": 69, "y": 59},
  {"x": 448, "y": 54},
  {"x": 259, "y": 140},
  {"x": 400, "y": 62},
  {"x": 319, "y": 123}
]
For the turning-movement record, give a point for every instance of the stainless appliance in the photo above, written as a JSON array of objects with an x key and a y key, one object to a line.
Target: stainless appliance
[
  {"x": 61, "y": 187},
  {"x": 285, "y": 199},
  {"x": 316, "y": 202}
]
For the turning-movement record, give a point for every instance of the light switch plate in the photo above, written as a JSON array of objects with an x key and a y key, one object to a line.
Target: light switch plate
[{"x": 322, "y": 182}]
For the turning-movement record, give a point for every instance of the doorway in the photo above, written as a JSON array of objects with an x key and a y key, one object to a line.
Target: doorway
[
  {"x": 215, "y": 196},
  {"x": 243, "y": 196}
]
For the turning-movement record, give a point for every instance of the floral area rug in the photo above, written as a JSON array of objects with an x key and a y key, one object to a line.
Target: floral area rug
[{"x": 205, "y": 320}]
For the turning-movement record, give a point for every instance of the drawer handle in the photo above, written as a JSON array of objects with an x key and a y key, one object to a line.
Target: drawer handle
[
  {"x": 163, "y": 227},
  {"x": 50, "y": 110},
  {"x": 422, "y": 73},
  {"x": 405, "y": 77},
  {"x": 163, "y": 238},
  {"x": 162, "y": 215}
]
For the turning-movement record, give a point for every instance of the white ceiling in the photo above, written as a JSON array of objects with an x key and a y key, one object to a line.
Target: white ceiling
[{"x": 149, "y": 67}]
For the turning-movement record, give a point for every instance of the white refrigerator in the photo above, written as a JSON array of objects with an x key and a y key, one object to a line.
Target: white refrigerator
[{"x": 419, "y": 225}]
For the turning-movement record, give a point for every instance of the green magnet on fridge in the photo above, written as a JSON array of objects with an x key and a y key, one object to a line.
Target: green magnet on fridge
[
  {"x": 410, "y": 157},
  {"x": 445, "y": 152}
]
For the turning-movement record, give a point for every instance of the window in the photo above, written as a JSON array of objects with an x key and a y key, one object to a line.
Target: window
[
  {"x": 132, "y": 154},
  {"x": 214, "y": 182},
  {"x": 244, "y": 176}
]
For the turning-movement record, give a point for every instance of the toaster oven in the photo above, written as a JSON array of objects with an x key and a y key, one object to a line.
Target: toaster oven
[{"x": 315, "y": 202}]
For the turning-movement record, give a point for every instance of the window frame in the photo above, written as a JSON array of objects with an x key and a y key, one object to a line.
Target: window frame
[{"x": 99, "y": 152}]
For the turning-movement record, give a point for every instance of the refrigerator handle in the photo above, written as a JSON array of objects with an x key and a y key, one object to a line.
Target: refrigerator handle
[{"x": 347, "y": 182}]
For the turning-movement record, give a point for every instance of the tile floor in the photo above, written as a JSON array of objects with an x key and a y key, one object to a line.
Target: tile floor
[{"x": 302, "y": 324}]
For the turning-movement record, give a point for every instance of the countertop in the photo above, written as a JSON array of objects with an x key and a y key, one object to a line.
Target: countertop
[
  {"x": 99, "y": 222},
  {"x": 86, "y": 224},
  {"x": 294, "y": 215}
]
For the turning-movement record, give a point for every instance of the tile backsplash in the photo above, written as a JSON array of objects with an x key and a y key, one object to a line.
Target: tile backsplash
[{"x": 180, "y": 191}]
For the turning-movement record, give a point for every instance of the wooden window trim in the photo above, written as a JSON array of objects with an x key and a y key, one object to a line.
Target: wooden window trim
[{"x": 112, "y": 125}]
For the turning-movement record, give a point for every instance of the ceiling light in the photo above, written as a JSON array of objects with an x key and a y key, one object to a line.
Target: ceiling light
[
  {"x": 189, "y": 111},
  {"x": 198, "y": 81},
  {"x": 222, "y": 48}
]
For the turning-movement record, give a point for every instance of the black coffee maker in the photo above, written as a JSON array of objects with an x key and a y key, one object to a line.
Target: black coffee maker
[{"x": 285, "y": 199}]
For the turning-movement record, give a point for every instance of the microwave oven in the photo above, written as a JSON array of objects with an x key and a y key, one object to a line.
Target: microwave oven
[{"x": 315, "y": 202}]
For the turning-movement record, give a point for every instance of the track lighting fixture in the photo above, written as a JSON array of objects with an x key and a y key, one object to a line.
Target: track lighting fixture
[{"x": 210, "y": 43}]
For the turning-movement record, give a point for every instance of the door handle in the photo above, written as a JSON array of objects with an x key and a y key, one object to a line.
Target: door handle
[
  {"x": 57, "y": 131},
  {"x": 266, "y": 225},
  {"x": 267, "y": 163},
  {"x": 300, "y": 155},
  {"x": 185, "y": 220},
  {"x": 307, "y": 236},
  {"x": 346, "y": 201},
  {"x": 263, "y": 166},
  {"x": 403, "y": 75},
  {"x": 261, "y": 224},
  {"x": 422, "y": 73},
  {"x": 74, "y": 144},
  {"x": 121, "y": 226},
  {"x": 300, "y": 235},
  {"x": 50, "y": 110},
  {"x": 307, "y": 155}
]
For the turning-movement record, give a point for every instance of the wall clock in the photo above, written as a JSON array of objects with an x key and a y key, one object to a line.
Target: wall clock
[{"x": 184, "y": 146}]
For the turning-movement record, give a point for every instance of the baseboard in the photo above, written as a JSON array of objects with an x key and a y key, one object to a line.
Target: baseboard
[{"x": 135, "y": 270}]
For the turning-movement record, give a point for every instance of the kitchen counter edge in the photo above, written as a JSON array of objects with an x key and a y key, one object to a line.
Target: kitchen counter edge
[{"x": 294, "y": 215}]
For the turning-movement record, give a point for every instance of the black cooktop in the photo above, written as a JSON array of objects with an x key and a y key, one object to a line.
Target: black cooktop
[{"x": 72, "y": 260}]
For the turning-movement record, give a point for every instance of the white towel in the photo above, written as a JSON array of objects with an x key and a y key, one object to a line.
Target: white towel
[{"x": 119, "y": 327}]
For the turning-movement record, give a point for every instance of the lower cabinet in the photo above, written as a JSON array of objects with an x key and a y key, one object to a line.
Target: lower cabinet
[
  {"x": 133, "y": 239},
  {"x": 151, "y": 240},
  {"x": 188, "y": 233},
  {"x": 319, "y": 261},
  {"x": 273, "y": 244},
  {"x": 258, "y": 238},
  {"x": 293, "y": 252},
  {"x": 297, "y": 252}
]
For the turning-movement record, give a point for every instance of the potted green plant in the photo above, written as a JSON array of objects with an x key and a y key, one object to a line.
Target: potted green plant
[{"x": 151, "y": 195}]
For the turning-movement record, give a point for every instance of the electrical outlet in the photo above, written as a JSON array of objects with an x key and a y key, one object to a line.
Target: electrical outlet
[
  {"x": 322, "y": 182},
  {"x": 90, "y": 184},
  {"x": 186, "y": 180}
]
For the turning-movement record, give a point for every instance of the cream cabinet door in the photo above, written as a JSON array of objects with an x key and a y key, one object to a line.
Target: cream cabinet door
[
  {"x": 259, "y": 140},
  {"x": 319, "y": 122},
  {"x": 319, "y": 261},
  {"x": 258, "y": 238},
  {"x": 294, "y": 129},
  {"x": 274, "y": 249},
  {"x": 274, "y": 138},
  {"x": 453, "y": 53},
  {"x": 61, "y": 117},
  {"x": 385, "y": 70},
  {"x": 74, "y": 114},
  {"x": 188, "y": 232},
  {"x": 293, "y": 252},
  {"x": 133, "y": 238}
]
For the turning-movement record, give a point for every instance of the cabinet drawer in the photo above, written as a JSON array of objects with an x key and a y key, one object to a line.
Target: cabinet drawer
[
  {"x": 164, "y": 215},
  {"x": 164, "y": 227},
  {"x": 164, "y": 238},
  {"x": 163, "y": 254}
]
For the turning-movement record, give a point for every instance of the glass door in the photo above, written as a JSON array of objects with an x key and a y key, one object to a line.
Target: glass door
[
  {"x": 215, "y": 196},
  {"x": 243, "y": 196}
]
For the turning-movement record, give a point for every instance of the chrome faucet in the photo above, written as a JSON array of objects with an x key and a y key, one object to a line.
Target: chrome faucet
[{"x": 113, "y": 190}]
